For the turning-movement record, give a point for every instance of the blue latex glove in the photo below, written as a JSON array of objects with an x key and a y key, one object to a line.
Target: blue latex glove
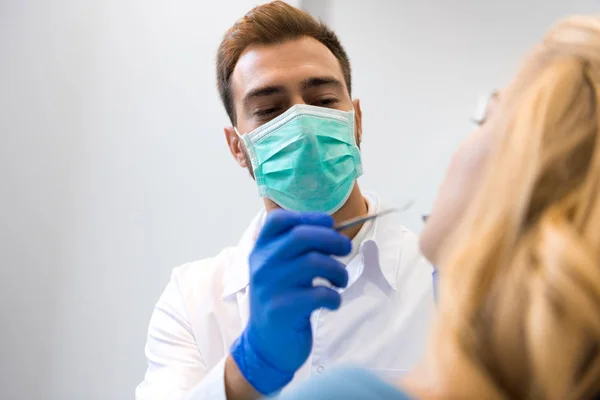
[{"x": 291, "y": 250}]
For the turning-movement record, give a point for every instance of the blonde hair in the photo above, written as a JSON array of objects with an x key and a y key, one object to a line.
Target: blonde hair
[{"x": 519, "y": 307}]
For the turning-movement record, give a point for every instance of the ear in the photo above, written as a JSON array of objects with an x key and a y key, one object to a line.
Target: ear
[
  {"x": 235, "y": 146},
  {"x": 357, "y": 120}
]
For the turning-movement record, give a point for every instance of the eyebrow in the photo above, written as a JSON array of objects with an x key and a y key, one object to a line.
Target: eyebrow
[
  {"x": 262, "y": 92},
  {"x": 308, "y": 83},
  {"x": 321, "y": 81}
]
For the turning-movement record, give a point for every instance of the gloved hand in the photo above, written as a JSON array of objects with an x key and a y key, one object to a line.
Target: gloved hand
[{"x": 291, "y": 250}]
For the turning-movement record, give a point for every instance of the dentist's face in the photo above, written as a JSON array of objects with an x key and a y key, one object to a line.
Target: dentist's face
[
  {"x": 269, "y": 79},
  {"x": 462, "y": 177}
]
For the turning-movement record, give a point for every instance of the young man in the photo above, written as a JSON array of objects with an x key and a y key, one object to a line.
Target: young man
[{"x": 241, "y": 324}]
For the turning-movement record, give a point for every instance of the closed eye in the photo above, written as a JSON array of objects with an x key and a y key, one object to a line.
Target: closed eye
[
  {"x": 266, "y": 112},
  {"x": 327, "y": 102}
]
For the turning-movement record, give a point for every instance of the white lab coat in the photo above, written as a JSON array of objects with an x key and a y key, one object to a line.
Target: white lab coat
[{"x": 383, "y": 322}]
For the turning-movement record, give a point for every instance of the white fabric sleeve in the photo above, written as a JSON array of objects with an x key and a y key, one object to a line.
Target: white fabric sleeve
[
  {"x": 176, "y": 370},
  {"x": 212, "y": 386}
]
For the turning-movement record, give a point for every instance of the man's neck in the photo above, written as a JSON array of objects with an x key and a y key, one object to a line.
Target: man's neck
[{"x": 355, "y": 206}]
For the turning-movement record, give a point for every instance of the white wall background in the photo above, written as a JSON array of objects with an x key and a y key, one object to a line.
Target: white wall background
[{"x": 113, "y": 166}]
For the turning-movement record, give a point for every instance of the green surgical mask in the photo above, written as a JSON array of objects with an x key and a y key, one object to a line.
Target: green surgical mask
[{"x": 306, "y": 159}]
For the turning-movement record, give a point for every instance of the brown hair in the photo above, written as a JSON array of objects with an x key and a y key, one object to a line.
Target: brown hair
[
  {"x": 519, "y": 311},
  {"x": 271, "y": 23}
]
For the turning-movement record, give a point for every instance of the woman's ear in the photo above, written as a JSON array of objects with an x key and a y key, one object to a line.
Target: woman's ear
[
  {"x": 357, "y": 121},
  {"x": 235, "y": 146}
]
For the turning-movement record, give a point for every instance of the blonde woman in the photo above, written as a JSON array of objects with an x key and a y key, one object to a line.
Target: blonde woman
[{"x": 516, "y": 233}]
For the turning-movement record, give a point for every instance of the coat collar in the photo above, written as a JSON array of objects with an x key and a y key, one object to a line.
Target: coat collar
[{"x": 382, "y": 247}]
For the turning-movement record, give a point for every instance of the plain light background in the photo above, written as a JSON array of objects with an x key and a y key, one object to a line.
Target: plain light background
[{"x": 114, "y": 169}]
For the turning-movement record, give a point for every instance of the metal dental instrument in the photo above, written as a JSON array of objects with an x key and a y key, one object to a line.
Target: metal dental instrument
[{"x": 359, "y": 220}]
